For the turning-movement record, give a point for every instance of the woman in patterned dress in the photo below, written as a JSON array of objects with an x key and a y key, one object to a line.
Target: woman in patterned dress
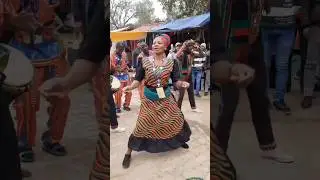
[{"x": 161, "y": 125}]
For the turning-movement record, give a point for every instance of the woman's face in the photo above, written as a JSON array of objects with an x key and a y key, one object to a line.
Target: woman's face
[{"x": 158, "y": 46}]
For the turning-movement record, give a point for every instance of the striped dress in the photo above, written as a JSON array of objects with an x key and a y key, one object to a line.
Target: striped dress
[{"x": 161, "y": 125}]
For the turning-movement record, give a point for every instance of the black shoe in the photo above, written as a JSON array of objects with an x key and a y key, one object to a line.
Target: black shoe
[
  {"x": 198, "y": 95},
  {"x": 55, "y": 149},
  {"x": 206, "y": 93},
  {"x": 126, "y": 108},
  {"x": 26, "y": 154},
  {"x": 118, "y": 110},
  {"x": 282, "y": 106},
  {"x": 306, "y": 102},
  {"x": 126, "y": 161},
  {"x": 185, "y": 146}
]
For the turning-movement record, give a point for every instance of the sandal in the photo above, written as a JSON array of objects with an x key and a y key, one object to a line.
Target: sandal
[{"x": 126, "y": 161}]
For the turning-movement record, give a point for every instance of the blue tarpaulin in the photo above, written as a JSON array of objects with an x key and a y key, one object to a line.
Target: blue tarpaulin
[{"x": 186, "y": 23}]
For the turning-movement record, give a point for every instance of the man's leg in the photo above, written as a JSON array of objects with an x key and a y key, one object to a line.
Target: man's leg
[
  {"x": 228, "y": 106},
  {"x": 10, "y": 161},
  {"x": 58, "y": 111},
  {"x": 190, "y": 91},
  {"x": 259, "y": 103},
  {"x": 113, "y": 113},
  {"x": 312, "y": 61},
  {"x": 207, "y": 82},
  {"x": 198, "y": 82},
  {"x": 27, "y": 106},
  {"x": 58, "y": 115},
  {"x": 128, "y": 96},
  {"x": 258, "y": 98},
  {"x": 118, "y": 98},
  {"x": 284, "y": 46},
  {"x": 181, "y": 95}
]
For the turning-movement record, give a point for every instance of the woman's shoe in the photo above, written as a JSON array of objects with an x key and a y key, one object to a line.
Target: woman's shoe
[
  {"x": 185, "y": 146},
  {"x": 126, "y": 161}
]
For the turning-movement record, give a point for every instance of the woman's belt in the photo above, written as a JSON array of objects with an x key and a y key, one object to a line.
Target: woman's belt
[{"x": 152, "y": 94}]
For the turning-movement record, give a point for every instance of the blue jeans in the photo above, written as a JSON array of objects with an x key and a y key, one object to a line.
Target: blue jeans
[
  {"x": 278, "y": 42},
  {"x": 196, "y": 78}
]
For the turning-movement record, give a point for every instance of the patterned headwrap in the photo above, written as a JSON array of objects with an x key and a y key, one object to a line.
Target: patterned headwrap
[{"x": 166, "y": 39}]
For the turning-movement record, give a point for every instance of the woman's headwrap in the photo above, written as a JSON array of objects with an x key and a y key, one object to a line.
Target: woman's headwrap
[{"x": 166, "y": 39}]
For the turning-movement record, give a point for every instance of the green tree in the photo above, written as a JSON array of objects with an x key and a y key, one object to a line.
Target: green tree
[
  {"x": 124, "y": 12},
  {"x": 144, "y": 12},
  {"x": 121, "y": 13},
  {"x": 176, "y": 9}
]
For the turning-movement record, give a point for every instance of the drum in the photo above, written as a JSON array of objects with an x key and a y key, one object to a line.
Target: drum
[
  {"x": 115, "y": 84},
  {"x": 16, "y": 71}
]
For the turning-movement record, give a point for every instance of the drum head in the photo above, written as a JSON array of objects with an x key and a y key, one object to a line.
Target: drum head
[
  {"x": 19, "y": 70},
  {"x": 115, "y": 84}
]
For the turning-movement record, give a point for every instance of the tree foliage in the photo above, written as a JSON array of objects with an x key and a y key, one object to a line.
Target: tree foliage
[
  {"x": 176, "y": 9},
  {"x": 124, "y": 12},
  {"x": 144, "y": 12}
]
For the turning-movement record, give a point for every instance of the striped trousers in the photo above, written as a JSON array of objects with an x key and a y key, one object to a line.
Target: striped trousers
[
  {"x": 118, "y": 96},
  {"x": 28, "y": 104}
]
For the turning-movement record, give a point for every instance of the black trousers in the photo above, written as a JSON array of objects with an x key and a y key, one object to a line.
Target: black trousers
[
  {"x": 113, "y": 113},
  {"x": 10, "y": 161},
  {"x": 190, "y": 91},
  {"x": 259, "y": 104}
]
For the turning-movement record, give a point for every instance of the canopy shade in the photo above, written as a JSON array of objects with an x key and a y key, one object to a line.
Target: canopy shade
[
  {"x": 135, "y": 34},
  {"x": 127, "y": 35},
  {"x": 186, "y": 23}
]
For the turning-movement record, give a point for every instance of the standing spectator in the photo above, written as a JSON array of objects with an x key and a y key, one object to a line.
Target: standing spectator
[
  {"x": 185, "y": 56},
  {"x": 206, "y": 67},
  {"x": 197, "y": 68},
  {"x": 119, "y": 65},
  {"x": 278, "y": 29},
  {"x": 311, "y": 31},
  {"x": 135, "y": 55}
]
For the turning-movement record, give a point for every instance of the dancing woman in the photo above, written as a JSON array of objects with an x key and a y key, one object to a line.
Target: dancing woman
[{"x": 161, "y": 125}]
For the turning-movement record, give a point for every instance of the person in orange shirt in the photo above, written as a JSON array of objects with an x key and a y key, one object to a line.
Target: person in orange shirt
[{"x": 120, "y": 68}]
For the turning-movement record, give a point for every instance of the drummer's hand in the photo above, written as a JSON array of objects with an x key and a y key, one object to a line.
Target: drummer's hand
[
  {"x": 25, "y": 22},
  {"x": 184, "y": 85},
  {"x": 242, "y": 74},
  {"x": 55, "y": 87},
  {"x": 127, "y": 89}
]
